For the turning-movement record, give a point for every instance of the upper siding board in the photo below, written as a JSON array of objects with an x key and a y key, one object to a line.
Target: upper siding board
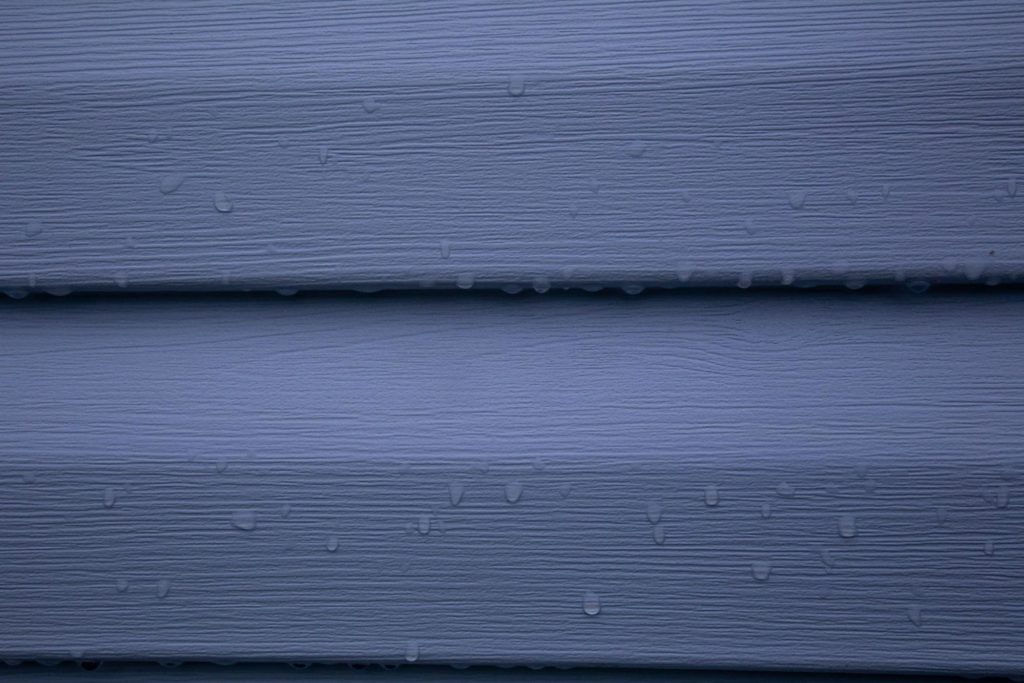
[
  {"x": 287, "y": 145},
  {"x": 809, "y": 481}
]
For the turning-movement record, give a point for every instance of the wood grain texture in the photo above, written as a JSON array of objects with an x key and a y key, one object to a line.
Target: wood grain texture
[
  {"x": 323, "y": 145},
  {"x": 193, "y": 672},
  {"x": 803, "y": 481}
]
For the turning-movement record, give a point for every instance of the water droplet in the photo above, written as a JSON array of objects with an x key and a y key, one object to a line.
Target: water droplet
[
  {"x": 446, "y": 249},
  {"x": 990, "y": 547},
  {"x": 1011, "y": 187},
  {"x": 766, "y": 510},
  {"x": 914, "y": 613},
  {"x": 654, "y": 512},
  {"x": 636, "y": 149},
  {"x": 412, "y": 651},
  {"x": 16, "y": 293},
  {"x": 322, "y": 154},
  {"x": 222, "y": 203},
  {"x": 633, "y": 290},
  {"x": 855, "y": 283},
  {"x": 591, "y": 604},
  {"x": 918, "y": 286},
  {"x": 574, "y": 209},
  {"x": 222, "y": 464},
  {"x": 950, "y": 264},
  {"x": 659, "y": 534},
  {"x": 109, "y": 497},
  {"x": 974, "y": 269},
  {"x": 746, "y": 279},
  {"x": 287, "y": 291},
  {"x": 163, "y": 588},
  {"x": 847, "y": 526},
  {"x": 797, "y": 199},
  {"x": 464, "y": 281},
  {"x": 539, "y": 465},
  {"x": 244, "y": 520},
  {"x": 423, "y": 524},
  {"x": 750, "y": 226},
  {"x": 121, "y": 280},
  {"x": 785, "y": 490},
  {"x": 541, "y": 284},
  {"x": 852, "y": 196},
  {"x": 286, "y": 509},
  {"x": 1002, "y": 496},
  {"x": 152, "y": 136},
  {"x": 33, "y": 228},
  {"x": 332, "y": 543},
  {"x": 711, "y": 495},
  {"x": 886, "y": 190},
  {"x": 122, "y": 585},
  {"x": 565, "y": 490},
  {"x": 761, "y": 569},
  {"x": 513, "y": 491},
  {"x": 171, "y": 183},
  {"x": 516, "y": 85},
  {"x": 370, "y": 105},
  {"x": 828, "y": 560},
  {"x": 788, "y": 276},
  {"x": 511, "y": 289},
  {"x": 455, "y": 491}
]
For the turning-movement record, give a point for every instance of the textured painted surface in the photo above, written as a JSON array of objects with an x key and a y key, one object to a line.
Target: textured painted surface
[
  {"x": 265, "y": 673},
  {"x": 286, "y": 145},
  {"x": 802, "y": 481}
]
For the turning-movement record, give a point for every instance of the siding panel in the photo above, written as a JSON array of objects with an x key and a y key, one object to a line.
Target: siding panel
[
  {"x": 810, "y": 481},
  {"x": 269, "y": 146}
]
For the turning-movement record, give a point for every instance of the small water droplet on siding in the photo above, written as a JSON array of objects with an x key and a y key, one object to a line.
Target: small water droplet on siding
[
  {"x": 1002, "y": 496},
  {"x": 785, "y": 490},
  {"x": 633, "y": 290},
  {"x": 446, "y": 249},
  {"x": 654, "y": 512},
  {"x": 412, "y": 651},
  {"x": 886, "y": 190},
  {"x": 1011, "y": 187},
  {"x": 370, "y": 105},
  {"x": 170, "y": 183},
  {"x": 990, "y": 547},
  {"x": 222, "y": 464},
  {"x": 16, "y": 293},
  {"x": 332, "y": 543},
  {"x": 761, "y": 569},
  {"x": 636, "y": 149},
  {"x": 222, "y": 202},
  {"x": 513, "y": 491},
  {"x": 565, "y": 490},
  {"x": 109, "y": 497},
  {"x": 847, "y": 526},
  {"x": 122, "y": 585},
  {"x": 746, "y": 279},
  {"x": 465, "y": 281},
  {"x": 914, "y": 614},
  {"x": 322, "y": 154},
  {"x": 659, "y": 534},
  {"x": 788, "y": 276},
  {"x": 541, "y": 284},
  {"x": 121, "y": 280},
  {"x": 828, "y": 560},
  {"x": 711, "y": 495},
  {"x": 855, "y": 283},
  {"x": 918, "y": 286},
  {"x": 33, "y": 228},
  {"x": 287, "y": 291},
  {"x": 511, "y": 289},
  {"x": 163, "y": 588},
  {"x": 423, "y": 524},
  {"x": 684, "y": 272},
  {"x": 286, "y": 509},
  {"x": 750, "y": 226},
  {"x": 852, "y": 196},
  {"x": 455, "y": 492},
  {"x": 591, "y": 604},
  {"x": 516, "y": 85},
  {"x": 974, "y": 269},
  {"x": 797, "y": 198},
  {"x": 244, "y": 520},
  {"x": 766, "y": 510}
]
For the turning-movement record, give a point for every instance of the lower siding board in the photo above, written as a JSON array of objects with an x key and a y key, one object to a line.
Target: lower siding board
[{"x": 802, "y": 481}]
